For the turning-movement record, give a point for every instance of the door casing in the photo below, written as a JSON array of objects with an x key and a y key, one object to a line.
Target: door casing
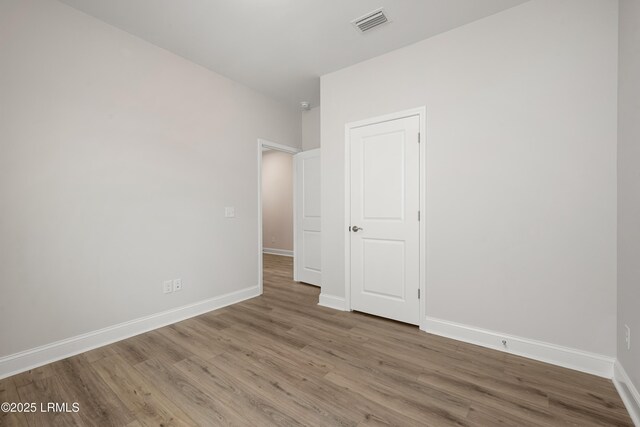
[{"x": 421, "y": 112}]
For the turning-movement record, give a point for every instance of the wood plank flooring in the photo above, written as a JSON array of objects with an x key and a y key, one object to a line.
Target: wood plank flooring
[{"x": 280, "y": 359}]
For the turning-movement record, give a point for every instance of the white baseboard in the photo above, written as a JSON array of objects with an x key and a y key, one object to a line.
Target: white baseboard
[
  {"x": 337, "y": 303},
  {"x": 566, "y": 357},
  {"x": 29, "y": 359},
  {"x": 274, "y": 251},
  {"x": 628, "y": 392}
]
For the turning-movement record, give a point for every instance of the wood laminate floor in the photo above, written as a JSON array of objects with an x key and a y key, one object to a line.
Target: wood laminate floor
[{"x": 280, "y": 359}]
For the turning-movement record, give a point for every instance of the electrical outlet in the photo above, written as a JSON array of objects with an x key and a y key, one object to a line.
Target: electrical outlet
[
  {"x": 177, "y": 285},
  {"x": 229, "y": 212},
  {"x": 627, "y": 336},
  {"x": 273, "y": 239},
  {"x": 167, "y": 286}
]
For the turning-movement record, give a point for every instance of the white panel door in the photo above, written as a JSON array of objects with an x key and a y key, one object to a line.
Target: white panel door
[
  {"x": 385, "y": 228},
  {"x": 307, "y": 217}
]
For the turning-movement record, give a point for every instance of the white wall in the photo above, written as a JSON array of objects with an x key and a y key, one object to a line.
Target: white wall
[
  {"x": 521, "y": 169},
  {"x": 629, "y": 188},
  {"x": 277, "y": 200},
  {"x": 116, "y": 161},
  {"x": 311, "y": 129}
]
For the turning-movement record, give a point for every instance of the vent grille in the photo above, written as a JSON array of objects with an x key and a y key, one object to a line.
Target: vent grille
[{"x": 370, "y": 20}]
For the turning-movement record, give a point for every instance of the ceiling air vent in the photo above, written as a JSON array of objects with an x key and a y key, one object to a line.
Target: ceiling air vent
[{"x": 370, "y": 20}]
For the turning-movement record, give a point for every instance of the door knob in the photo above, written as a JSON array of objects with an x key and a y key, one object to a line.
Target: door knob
[{"x": 355, "y": 229}]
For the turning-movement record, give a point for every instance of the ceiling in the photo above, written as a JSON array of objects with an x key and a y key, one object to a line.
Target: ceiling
[{"x": 281, "y": 47}]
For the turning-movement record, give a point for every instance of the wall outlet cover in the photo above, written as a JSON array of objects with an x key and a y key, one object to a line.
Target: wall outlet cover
[
  {"x": 167, "y": 286},
  {"x": 627, "y": 336},
  {"x": 177, "y": 285}
]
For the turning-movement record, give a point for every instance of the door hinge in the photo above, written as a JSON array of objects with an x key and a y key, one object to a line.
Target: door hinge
[
  {"x": 418, "y": 137},
  {"x": 418, "y": 215},
  {"x": 418, "y": 293}
]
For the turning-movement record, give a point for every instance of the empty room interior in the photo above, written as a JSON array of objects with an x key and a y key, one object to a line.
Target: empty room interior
[{"x": 320, "y": 213}]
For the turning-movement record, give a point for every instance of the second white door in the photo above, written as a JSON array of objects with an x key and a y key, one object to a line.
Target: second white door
[
  {"x": 307, "y": 243},
  {"x": 385, "y": 227}
]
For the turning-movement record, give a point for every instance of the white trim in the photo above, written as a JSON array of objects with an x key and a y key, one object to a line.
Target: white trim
[
  {"x": 628, "y": 392},
  {"x": 330, "y": 301},
  {"x": 295, "y": 218},
  {"x": 281, "y": 252},
  {"x": 421, "y": 112},
  {"x": 262, "y": 144},
  {"x": 566, "y": 357},
  {"x": 30, "y": 359},
  {"x": 270, "y": 145}
]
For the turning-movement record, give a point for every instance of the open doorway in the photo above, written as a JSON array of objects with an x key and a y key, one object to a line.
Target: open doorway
[
  {"x": 277, "y": 215},
  {"x": 277, "y": 203},
  {"x": 289, "y": 237},
  {"x": 276, "y": 209}
]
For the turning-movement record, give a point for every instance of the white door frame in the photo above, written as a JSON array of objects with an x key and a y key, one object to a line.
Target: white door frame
[
  {"x": 263, "y": 143},
  {"x": 421, "y": 112}
]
